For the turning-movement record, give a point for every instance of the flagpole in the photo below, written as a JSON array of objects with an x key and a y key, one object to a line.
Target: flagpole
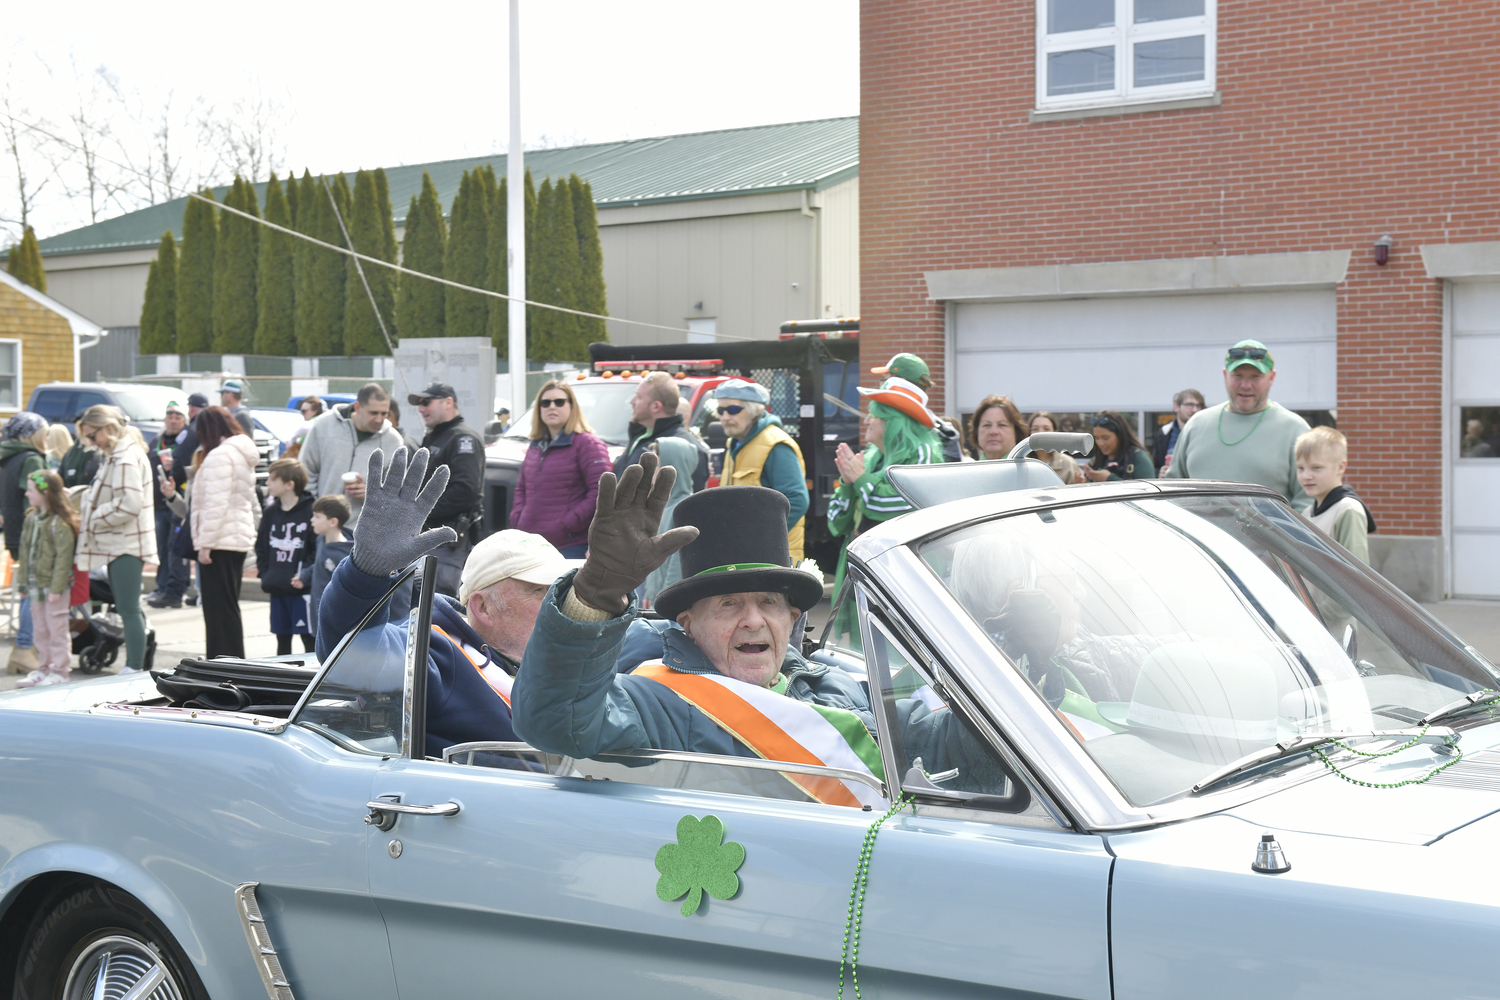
[{"x": 515, "y": 238}]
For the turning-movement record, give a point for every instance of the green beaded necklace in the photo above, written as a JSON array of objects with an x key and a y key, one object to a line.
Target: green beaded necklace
[
  {"x": 1459, "y": 755},
  {"x": 857, "y": 898},
  {"x": 1231, "y": 444}
]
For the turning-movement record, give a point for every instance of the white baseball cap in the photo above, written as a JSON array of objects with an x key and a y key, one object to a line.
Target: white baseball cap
[{"x": 512, "y": 555}]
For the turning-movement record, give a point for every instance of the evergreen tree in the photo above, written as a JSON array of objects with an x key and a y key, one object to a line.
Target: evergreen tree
[
  {"x": 498, "y": 266},
  {"x": 540, "y": 340},
  {"x": 467, "y": 314},
  {"x": 388, "y": 247},
  {"x": 236, "y": 261},
  {"x": 367, "y": 230},
  {"x": 302, "y": 258},
  {"x": 591, "y": 295},
  {"x": 24, "y": 262},
  {"x": 195, "y": 276},
  {"x": 293, "y": 197},
  {"x": 421, "y": 304},
  {"x": 159, "y": 312},
  {"x": 560, "y": 276},
  {"x": 275, "y": 331},
  {"x": 325, "y": 333}
]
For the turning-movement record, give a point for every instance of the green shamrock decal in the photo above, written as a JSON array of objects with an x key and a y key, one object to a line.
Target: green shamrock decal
[{"x": 698, "y": 862}]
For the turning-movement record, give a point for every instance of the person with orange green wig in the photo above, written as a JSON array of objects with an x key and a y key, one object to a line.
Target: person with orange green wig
[{"x": 899, "y": 429}]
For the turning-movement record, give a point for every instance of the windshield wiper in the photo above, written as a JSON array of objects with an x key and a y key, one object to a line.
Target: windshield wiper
[
  {"x": 1473, "y": 699},
  {"x": 1309, "y": 741}
]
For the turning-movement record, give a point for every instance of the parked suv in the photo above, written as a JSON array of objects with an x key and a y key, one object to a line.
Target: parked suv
[{"x": 144, "y": 405}]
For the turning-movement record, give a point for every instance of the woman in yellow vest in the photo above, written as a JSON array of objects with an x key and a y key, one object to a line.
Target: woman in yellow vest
[{"x": 761, "y": 453}]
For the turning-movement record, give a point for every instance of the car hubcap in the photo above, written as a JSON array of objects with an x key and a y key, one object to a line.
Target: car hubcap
[{"x": 120, "y": 968}]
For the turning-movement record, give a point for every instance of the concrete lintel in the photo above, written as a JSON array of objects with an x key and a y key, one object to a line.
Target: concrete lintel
[
  {"x": 701, "y": 208},
  {"x": 1461, "y": 260},
  {"x": 1316, "y": 269}
]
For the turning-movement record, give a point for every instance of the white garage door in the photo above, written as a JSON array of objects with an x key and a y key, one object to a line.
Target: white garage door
[
  {"x": 1133, "y": 353},
  {"x": 1475, "y": 398}
]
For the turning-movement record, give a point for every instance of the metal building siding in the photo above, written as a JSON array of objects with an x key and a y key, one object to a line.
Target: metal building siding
[
  {"x": 838, "y": 249},
  {"x": 741, "y": 267}
]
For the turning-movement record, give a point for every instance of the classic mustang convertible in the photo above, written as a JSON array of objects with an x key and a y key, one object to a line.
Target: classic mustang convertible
[{"x": 1208, "y": 753}]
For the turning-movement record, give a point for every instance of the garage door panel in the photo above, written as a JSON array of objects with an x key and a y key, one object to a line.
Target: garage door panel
[
  {"x": 1475, "y": 557},
  {"x": 1476, "y": 307},
  {"x": 1135, "y": 353},
  {"x": 1477, "y": 483},
  {"x": 1476, "y": 366}
]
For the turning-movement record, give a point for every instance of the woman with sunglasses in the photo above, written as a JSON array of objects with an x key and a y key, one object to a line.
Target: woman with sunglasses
[
  {"x": 118, "y": 518},
  {"x": 1117, "y": 451},
  {"x": 559, "y": 479}
]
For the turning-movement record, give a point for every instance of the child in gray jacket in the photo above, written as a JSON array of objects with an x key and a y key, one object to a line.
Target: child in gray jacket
[{"x": 335, "y": 542}]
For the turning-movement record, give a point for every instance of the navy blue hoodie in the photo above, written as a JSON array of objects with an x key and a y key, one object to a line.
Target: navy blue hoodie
[{"x": 284, "y": 545}]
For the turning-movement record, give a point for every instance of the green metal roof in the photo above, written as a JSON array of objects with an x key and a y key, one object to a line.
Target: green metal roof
[{"x": 767, "y": 158}]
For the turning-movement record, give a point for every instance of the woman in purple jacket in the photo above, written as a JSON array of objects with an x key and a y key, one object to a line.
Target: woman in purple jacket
[{"x": 560, "y": 478}]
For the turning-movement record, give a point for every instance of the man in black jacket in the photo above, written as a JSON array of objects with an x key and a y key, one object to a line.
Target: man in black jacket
[
  {"x": 455, "y": 444},
  {"x": 172, "y": 575},
  {"x": 653, "y": 412},
  {"x": 1184, "y": 405}
]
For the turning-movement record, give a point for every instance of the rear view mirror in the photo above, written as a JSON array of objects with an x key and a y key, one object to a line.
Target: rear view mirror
[{"x": 714, "y": 435}]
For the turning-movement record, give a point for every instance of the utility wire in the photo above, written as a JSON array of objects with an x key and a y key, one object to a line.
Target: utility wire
[
  {"x": 372, "y": 260},
  {"x": 357, "y": 267},
  {"x": 444, "y": 281}
]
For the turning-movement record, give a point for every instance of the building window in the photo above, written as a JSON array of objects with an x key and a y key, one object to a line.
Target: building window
[
  {"x": 10, "y": 374},
  {"x": 1102, "y": 52}
]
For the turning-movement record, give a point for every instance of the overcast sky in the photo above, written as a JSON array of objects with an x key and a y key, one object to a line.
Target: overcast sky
[{"x": 380, "y": 84}]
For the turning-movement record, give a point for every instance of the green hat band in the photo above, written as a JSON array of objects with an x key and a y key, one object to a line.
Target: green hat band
[{"x": 730, "y": 567}]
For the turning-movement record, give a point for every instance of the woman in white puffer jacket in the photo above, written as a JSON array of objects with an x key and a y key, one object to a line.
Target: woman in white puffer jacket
[{"x": 225, "y": 518}]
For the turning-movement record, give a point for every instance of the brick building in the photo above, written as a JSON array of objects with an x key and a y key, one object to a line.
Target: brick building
[{"x": 1081, "y": 203}]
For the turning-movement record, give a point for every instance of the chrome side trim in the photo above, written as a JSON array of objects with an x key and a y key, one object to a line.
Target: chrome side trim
[
  {"x": 201, "y": 716},
  {"x": 487, "y": 747},
  {"x": 262, "y": 950}
]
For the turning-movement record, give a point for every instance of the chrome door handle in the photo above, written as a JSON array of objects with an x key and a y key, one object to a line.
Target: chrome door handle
[{"x": 383, "y": 812}]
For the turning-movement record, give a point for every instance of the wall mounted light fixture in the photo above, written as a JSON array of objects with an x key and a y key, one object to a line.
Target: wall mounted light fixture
[{"x": 1383, "y": 250}]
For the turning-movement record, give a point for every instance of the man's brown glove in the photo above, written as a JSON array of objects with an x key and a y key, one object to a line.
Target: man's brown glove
[{"x": 623, "y": 544}]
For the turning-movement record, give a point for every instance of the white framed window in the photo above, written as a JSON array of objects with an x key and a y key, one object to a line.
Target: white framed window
[
  {"x": 1096, "y": 53},
  {"x": 10, "y": 375}
]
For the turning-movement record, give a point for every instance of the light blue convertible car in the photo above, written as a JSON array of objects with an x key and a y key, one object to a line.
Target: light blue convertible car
[{"x": 1214, "y": 756}]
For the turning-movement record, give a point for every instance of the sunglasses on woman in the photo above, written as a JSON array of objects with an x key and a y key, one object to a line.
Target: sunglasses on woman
[
  {"x": 731, "y": 410},
  {"x": 551, "y": 402}
]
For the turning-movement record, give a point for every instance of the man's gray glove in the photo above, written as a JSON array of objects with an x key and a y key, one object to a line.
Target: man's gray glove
[
  {"x": 623, "y": 544},
  {"x": 390, "y": 536}
]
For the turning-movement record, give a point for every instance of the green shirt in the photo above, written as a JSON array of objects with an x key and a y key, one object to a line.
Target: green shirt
[{"x": 1243, "y": 448}]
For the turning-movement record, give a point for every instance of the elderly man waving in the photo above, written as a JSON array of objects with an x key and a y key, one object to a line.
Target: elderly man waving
[{"x": 726, "y": 683}]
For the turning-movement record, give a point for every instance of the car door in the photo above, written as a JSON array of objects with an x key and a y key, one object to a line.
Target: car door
[{"x": 526, "y": 882}]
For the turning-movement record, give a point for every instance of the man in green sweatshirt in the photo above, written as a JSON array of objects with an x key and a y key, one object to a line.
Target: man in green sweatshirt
[{"x": 1249, "y": 439}]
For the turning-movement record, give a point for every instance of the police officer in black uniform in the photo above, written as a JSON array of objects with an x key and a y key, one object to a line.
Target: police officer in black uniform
[{"x": 458, "y": 446}]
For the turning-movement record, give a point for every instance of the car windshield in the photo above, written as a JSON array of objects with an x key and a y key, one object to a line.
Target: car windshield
[
  {"x": 281, "y": 423},
  {"x": 1174, "y": 636},
  {"x": 605, "y": 404},
  {"x": 146, "y": 402}
]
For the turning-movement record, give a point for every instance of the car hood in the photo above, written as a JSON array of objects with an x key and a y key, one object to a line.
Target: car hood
[
  {"x": 1417, "y": 814},
  {"x": 84, "y": 694},
  {"x": 512, "y": 451}
]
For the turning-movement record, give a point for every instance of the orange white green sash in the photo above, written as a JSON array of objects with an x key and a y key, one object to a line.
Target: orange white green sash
[
  {"x": 498, "y": 680},
  {"x": 780, "y": 728}
]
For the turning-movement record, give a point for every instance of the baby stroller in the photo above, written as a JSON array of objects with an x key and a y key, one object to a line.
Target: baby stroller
[{"x": 97, "y": 644}]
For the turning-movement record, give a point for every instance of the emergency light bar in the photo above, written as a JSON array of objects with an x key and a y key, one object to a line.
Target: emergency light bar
[
  {"x": 826, "y": 329},
  {"x": 677, "y": 367}
]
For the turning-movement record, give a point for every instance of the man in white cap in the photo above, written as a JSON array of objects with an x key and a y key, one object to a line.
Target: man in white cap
[
  {"x": 477, "y": 640},
  {"x": 761, "y": 453}
]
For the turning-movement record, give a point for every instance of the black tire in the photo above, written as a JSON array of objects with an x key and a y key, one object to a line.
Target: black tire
[{"x": 76, "y": 924}]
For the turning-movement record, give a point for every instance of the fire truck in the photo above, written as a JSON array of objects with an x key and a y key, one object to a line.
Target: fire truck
[{"x": 811, "y": 371}]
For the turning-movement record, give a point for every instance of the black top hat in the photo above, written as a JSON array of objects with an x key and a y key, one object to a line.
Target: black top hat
[{"x": 741, "y": 548}]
